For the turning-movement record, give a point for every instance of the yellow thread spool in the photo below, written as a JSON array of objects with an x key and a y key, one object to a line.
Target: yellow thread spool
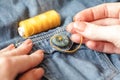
[{"x": 39, "y": 23}]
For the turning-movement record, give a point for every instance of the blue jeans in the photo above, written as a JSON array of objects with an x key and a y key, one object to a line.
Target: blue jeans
[{"x": 84, "y": 64}]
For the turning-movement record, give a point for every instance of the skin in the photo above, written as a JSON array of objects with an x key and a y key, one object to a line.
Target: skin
[
  {"x": 99, "y": 26},
  {"x": 14, "y": 61}
]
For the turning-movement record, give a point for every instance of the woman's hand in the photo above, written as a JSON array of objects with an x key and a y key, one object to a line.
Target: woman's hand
[
  {"x": 14, "y": 61},
  {"x": 100, "y": 27}
]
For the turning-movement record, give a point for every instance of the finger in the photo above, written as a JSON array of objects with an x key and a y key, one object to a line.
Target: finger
[
  {"x": 95, "y": 32},
  {"x": 77, "y": 38},
  {"x": 25, "y": 62},
  {"x": 107, "y": 22},
  {"x": 107, "y": 10},
  {"x": 102, "y": 47},
  {"x": 102, "y": 22},
  {"x": 34, "y": 74},
  {"x": 8, "y": 48},
  {"x": 96, "y": 45},
  {"x": 69, "y": 28},
  {"x": 22, "y": 49}
]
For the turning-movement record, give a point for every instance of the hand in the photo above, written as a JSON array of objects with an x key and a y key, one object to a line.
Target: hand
[
  {"x": 100, "y": 27},
  {"x": 14, "y": 61}
]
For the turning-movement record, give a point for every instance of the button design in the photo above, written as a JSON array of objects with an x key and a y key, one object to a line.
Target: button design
[{"x": 61, "y": 42}]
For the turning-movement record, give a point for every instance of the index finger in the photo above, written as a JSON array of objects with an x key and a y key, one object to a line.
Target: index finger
[
  {"x": 107, "y": 10},
  {"x": 25, "y": 62}
]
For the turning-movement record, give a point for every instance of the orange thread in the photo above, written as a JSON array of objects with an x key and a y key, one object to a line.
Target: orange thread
[{"x": 39, "y": 23}]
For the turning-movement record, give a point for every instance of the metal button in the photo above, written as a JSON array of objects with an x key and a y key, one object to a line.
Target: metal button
[{"x": 61, "y": 40}]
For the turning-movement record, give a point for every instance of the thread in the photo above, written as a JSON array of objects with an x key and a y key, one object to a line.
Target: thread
[{"x": 39, "y": 23}]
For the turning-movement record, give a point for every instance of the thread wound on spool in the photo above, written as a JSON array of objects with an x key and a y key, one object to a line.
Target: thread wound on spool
[{"x": 39, "y": 23}]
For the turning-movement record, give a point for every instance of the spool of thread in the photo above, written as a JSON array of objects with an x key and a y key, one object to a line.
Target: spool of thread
[{"x": 39, "y": 23}]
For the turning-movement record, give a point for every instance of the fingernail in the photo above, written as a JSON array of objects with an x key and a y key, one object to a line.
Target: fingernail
[
  {"x": 11, "y": 46},
  {"x": 39, "y": 73},
  {"x": 80, "y": 26},
  {"x": 69, "y": 27},
  {"x": 41, "y": 52},
  {"x": 28, "y": 41}
]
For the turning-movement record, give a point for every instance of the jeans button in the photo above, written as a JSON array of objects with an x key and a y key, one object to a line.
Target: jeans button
[
  {"x": 62, "y": 43},
  {"x": 60, "y": 40}
]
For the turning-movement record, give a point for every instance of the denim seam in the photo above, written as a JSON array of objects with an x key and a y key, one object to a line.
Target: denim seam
[
  {"x": 115, "y": 71},
  {"x": 115, "y": 75},
  {"x": 110, "y": 63},
  {"x": 51, "y": 77},
  {"x": 39, "y": 37},
  {"x": 48, "y": 34}
]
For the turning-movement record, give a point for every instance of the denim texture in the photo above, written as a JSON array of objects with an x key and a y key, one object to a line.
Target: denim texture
[{"x": 84, "y": 64}]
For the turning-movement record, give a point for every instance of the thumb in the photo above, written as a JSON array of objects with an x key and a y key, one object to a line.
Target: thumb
[{"x": 97, "y": 32}]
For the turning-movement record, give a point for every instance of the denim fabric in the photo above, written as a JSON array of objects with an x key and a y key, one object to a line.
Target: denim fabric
[{"x": 84, "y": 64}]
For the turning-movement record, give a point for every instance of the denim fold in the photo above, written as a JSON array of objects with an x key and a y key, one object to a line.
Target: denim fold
[{"x": 84, "y": 64}]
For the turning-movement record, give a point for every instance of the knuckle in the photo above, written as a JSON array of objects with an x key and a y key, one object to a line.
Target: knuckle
[
  {"x": 117, "y": 42},
  {"x": 116, "y": 31},
  {"x": 116, "y": 39},
  {"x": 90, "y": 32},
  {"x": 39, "y": 51}
]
